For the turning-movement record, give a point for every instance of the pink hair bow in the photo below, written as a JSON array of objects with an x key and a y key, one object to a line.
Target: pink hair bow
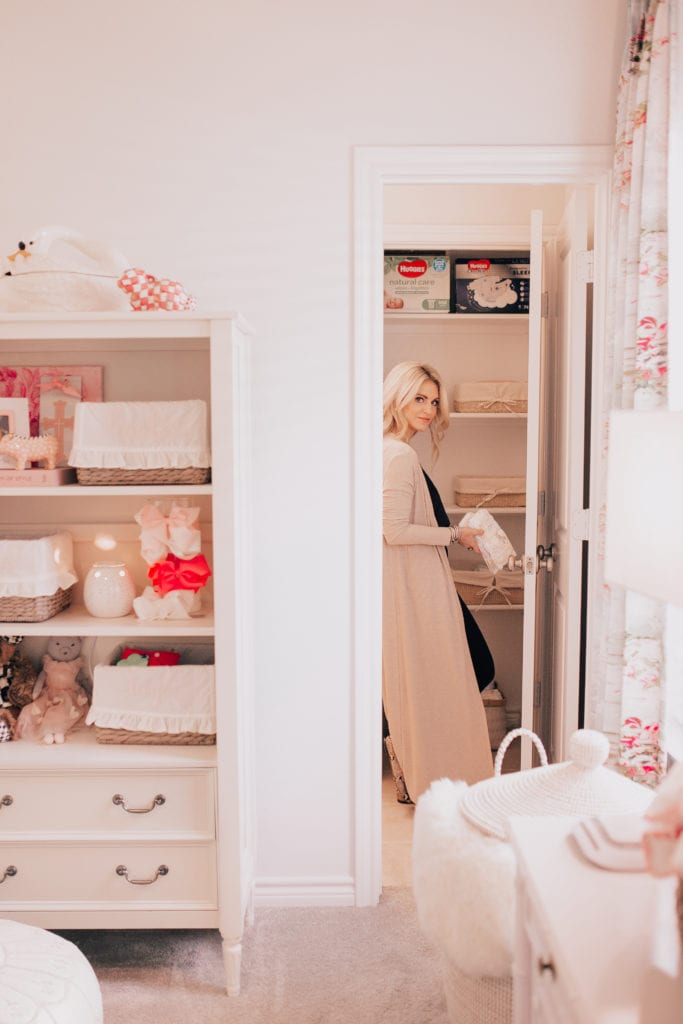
[
  {"x": 152, "y": 534},
  {"x": 176, "y": 532},
  {"x": 179, "y": 574},
  {"x": 60, "y": 384}
]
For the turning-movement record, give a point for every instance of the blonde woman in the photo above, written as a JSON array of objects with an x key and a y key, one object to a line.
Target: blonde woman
[{"x": 436, "y": 720}]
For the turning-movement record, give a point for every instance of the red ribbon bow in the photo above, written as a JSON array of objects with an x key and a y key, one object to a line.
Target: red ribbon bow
[{"x": 179, "y": 574}]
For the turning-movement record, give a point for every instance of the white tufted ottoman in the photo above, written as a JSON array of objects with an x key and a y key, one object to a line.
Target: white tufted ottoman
[{"x": 45, "y": 979}]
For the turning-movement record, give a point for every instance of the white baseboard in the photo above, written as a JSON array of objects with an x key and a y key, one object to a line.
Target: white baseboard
[{"x": 305, "y": 892}]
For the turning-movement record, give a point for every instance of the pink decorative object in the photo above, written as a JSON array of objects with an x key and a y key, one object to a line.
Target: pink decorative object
[
  {"x": 179, "y": 574},
  {"x": 52, "y": 393},
  {"x": 147, "y": 292},
  {"x": 30, "y": 449},
  {"x": 61, "y": 704}
]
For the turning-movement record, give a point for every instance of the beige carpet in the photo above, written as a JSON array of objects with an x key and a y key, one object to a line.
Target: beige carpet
[{"x": 300, "y": 966}]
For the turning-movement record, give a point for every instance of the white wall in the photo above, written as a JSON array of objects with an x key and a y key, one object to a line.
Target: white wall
[{"x": 212, "y": 142}]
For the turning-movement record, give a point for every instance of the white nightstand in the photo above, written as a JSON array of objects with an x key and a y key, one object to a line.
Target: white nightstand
[{"x": 586, "y": 938}]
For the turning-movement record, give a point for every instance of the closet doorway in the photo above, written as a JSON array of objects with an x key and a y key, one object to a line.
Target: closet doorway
[{"x": 479, "y": 199}]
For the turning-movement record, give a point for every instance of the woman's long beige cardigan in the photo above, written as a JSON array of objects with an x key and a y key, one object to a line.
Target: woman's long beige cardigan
[{"x": 431, "y": 698}]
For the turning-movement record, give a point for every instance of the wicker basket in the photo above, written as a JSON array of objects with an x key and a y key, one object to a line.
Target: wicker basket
[
  {"x": 479, "y": 589},
  {"x": 165, "y": 704},
  {"x": 486, "y": 396},
  {"x": 483, "y": 491},
  {"x": 183, "y": 739},
  {"x": 496, "y": 719},
  {"x": 35, "y": 609},
  {"x": 141, "y": 443},
  {"x": 472, "y": 999},
  {"x": 113, "y": 477}
]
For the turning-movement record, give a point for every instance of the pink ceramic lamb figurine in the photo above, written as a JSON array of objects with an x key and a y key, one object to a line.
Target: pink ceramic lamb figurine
[{"x": 60, "y": 705}]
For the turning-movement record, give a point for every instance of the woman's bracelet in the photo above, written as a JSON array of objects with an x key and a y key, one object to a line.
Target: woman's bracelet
[{"x": 455, "y": 534}]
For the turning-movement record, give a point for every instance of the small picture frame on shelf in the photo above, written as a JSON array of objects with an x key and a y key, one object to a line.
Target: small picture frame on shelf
[
  {"x": 13, "y": 420},
  {"x": 52, "y": 393}
]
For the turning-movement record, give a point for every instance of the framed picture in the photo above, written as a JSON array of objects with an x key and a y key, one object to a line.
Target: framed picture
[
  {"x": 13, "y": 420},
  {"x": 52, "y": 392}
]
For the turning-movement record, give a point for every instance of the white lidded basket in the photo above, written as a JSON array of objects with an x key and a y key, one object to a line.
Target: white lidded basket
[
  {"x": 483, "y": 491},
  {"x": 580, "y": 786},
  {"x": 164, "y": 704},
  {"x": 141, "y": 442},
  {"x": 490, "y": 396},
  {"x": 37, "y": 576},
  {"x": 478, "y": 588}
]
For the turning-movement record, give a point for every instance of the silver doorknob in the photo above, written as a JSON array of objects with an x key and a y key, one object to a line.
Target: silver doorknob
[
  {"x": 546, "y": 557},
  {"x": 515, "y": 563}
]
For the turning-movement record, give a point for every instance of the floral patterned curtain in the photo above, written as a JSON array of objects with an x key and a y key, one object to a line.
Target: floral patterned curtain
[{"x": 626, "y": 675}]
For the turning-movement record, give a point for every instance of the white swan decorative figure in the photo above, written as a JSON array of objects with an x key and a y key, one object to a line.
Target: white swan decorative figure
[{"x": 59, "y": 270}]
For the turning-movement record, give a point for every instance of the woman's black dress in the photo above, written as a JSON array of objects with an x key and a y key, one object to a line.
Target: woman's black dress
[{"x": 481, "y": 656}]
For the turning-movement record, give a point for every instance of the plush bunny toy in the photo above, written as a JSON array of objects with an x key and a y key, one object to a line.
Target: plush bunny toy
[{"x": 60, "y": 700}]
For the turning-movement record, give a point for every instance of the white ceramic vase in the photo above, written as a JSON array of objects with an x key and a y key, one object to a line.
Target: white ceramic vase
[{"x": 108, "y": 590}]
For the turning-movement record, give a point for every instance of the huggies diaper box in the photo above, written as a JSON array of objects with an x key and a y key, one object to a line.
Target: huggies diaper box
[
  {"x": 490, "y": 284},
  {"x": 417, "y": 282}
]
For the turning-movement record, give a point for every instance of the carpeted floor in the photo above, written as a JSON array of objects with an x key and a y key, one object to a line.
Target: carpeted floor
[{"x": 299, "y": 966}]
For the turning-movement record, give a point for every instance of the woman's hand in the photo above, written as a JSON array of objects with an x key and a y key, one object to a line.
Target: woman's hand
[{"x": 468, "y": 538}]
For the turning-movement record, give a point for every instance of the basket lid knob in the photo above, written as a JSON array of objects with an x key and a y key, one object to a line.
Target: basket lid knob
[{"x": 588, "y": 748}]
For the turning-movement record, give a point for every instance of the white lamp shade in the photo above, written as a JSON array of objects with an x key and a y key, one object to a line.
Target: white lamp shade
[{"x": 644, "y": 527}]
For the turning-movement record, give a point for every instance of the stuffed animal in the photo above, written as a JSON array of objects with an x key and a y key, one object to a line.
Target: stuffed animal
[
  {"x": 63, "y": 648},
  {"x": 148, "y": 292},
  {"x": 17, "y": 679},
  {"x": 62, "y": 701}
]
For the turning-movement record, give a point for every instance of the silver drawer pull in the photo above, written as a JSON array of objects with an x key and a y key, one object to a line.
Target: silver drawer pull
[
  {"x": 123, "y": 871},
  {"x": 6, "y": 800},
  {"x": 120, "y": 801},
  {"x": 545, "y": 965},
  {"x": 9, "y": 872}
]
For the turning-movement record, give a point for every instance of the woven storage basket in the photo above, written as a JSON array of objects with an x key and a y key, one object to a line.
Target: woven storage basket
[
  {"x": 490, "y": 396},
  {"x": 92, "y": 477},
  {"x": 141, "y": 443},
  {"x": 476, "y": 999},
  {"x": 36, "y": 576},
  {"x": 183, "y": 739},
  {"x": 573, "y": 788},
  {"x": 483, "y": 491},
  {"x": 496, "y": 721},
  {"x": 169, "y": 704},
  {"x": 35, "y": 609},
  {"x": 479, "y": 589}
]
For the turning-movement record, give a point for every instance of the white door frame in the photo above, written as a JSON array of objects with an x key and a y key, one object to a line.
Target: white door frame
[{"x": 375, "y": 167}]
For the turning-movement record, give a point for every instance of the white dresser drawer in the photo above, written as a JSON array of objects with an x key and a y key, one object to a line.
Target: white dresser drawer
[
  {"x": 111, "y": 802},
  {"x": 50, "y": 875}
]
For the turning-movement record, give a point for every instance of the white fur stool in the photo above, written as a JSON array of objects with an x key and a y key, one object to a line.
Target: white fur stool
[
  {"x": 43, "y": 977},
  {"x": 464, "y": 869}
]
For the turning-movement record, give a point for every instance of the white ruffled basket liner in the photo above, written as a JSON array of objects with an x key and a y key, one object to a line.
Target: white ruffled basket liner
[
  {"x": 140, "y": 435},
  {"x": 165, "y": 698},
  {"x": 36, "y": 566}
]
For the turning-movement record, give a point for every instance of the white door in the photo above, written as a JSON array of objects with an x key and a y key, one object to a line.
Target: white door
[
  {"x": 568, "y": 519},
  {"x": 535, "y": 379},
  {"x": 555, "y": 519}
]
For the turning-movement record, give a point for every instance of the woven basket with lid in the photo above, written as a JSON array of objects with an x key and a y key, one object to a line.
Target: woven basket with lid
[{"x": 580, "y": 786}]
